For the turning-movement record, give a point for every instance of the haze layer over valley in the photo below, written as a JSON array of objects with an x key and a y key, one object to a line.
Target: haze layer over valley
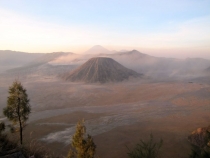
[
  {"x": 164, "y": 96},
  {"x": 53, "y": 64}
]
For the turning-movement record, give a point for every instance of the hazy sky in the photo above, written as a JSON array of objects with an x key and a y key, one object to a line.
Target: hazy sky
[{"x": 172, "y": 28}]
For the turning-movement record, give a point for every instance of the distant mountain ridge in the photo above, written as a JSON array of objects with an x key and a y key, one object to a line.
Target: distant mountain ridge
[
  {"x": 160, "y": 67},
  {"x": 48, "y": 57},
  {"x": 102, "y": 70},
  {"x": 8, "y": 57},
  {"x": 155, "y": 67},
  {"x": 38, "y": 64},
  {"x": 12, "y": 59}
]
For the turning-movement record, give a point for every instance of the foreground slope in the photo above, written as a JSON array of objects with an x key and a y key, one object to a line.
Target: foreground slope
[{"x": 101, "y": 70}]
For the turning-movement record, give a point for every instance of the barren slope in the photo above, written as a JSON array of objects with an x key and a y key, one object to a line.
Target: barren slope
[{"x": 101, "y": 70}]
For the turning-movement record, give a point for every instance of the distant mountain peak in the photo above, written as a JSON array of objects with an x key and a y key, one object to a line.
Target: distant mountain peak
[
  {"x": 97, "y": 49},
  {"x": 98, "y": 46}
]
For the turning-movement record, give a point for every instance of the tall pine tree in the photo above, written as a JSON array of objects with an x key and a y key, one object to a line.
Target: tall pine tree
[{"x": 18, "y": 107}]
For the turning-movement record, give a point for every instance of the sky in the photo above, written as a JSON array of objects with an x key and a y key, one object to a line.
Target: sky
[{"x": 168, "y": 28}]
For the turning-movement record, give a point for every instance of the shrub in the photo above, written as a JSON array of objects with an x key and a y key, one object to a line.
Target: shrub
[{"x": 144, "y": 149}]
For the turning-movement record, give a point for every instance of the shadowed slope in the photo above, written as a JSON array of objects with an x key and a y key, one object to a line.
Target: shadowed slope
[{"x": 101, "y": 70}]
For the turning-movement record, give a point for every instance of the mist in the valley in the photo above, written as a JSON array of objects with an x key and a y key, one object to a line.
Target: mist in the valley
[
  {"x": 168, "y": 93},
  {"x": 136, "y": 72},
  {"x": 158, "y": 67},
  {"x": 138, "y": 61}
]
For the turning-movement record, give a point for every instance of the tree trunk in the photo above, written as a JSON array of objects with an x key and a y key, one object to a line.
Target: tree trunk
[
  {"x": 20, "y": 123},
  {"x": 21, "y": 135}
]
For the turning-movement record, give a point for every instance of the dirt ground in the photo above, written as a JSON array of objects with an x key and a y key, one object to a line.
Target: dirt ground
[{"x": 117, "y": 115}]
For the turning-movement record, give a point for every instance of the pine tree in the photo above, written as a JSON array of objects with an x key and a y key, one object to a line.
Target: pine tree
[
  {"x": 81, "y": 147},
  {"x": 18, "y": 107}
]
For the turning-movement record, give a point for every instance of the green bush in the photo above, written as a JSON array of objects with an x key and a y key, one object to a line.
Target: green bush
[{"x": 149, "y": 149}]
